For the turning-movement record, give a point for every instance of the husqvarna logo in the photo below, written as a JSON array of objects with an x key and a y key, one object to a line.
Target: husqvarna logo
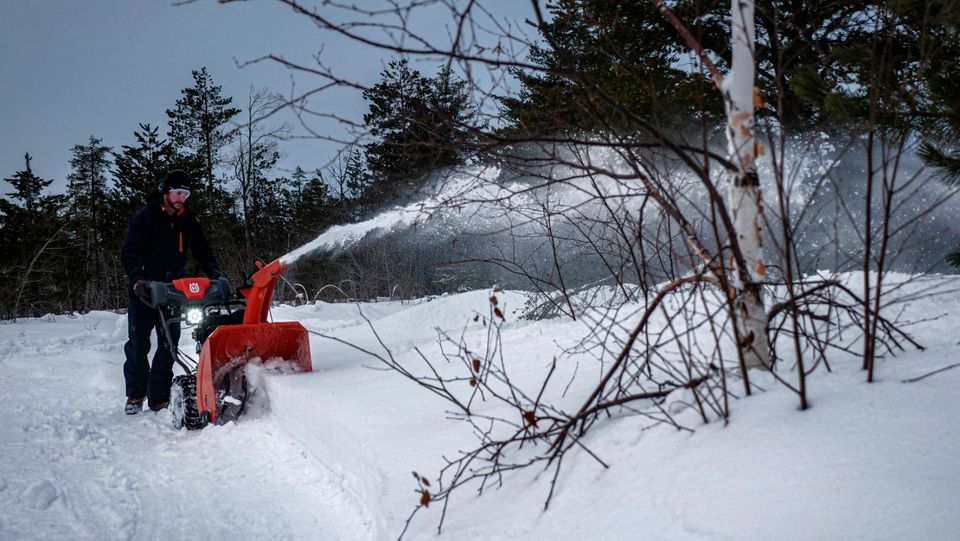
[{"x": 194, "y": 287}]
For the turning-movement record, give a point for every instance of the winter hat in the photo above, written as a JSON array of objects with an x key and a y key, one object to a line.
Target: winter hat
[{"x": 177, "y": 179}]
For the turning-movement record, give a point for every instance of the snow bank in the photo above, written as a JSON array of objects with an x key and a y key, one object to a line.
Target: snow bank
[{"x": 866, "y": 461}]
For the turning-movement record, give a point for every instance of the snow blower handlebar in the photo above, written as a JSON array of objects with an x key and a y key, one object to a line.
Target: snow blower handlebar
[
  {"x": 202, "y": 292},
  {"x": 185, "y": 294},
  {"x": 183, "y": 291}
]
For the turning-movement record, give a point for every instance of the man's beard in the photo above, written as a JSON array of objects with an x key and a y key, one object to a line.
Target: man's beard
[{"x": 176, "y": 206}]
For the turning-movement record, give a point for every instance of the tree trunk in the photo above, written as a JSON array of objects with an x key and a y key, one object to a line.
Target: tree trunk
[{"x": 745, "y": 198}]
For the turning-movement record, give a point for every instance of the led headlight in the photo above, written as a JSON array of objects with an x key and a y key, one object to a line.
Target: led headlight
[{"x": 194, "y": 316}]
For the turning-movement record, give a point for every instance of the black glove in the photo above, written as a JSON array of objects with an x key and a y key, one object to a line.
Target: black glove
[{"x": 140, "y": 289}]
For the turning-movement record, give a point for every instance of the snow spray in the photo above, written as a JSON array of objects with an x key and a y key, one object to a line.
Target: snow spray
[
  {"x": 819, "y": 176},
  {"x": 472, "y": 186}
]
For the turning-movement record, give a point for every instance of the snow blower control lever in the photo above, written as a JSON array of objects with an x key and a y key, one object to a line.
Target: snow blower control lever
[{"x": 231, "y": 332}]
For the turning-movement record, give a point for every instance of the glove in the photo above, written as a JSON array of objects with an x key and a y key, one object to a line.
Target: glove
[{"x": 140, "y": 289}]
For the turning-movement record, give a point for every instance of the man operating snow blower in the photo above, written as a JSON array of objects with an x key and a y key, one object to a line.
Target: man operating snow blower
[{"x": 156, "y": 246}]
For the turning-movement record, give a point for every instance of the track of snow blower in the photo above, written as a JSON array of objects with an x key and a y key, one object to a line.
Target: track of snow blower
[{"x": 231, "y": 332}]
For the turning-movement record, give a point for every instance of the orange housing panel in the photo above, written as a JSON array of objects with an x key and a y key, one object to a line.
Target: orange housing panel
[{"x": 259, "y": 342}]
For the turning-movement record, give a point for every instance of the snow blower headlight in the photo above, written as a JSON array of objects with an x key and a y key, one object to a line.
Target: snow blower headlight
[{"x": 194, "y": 316}]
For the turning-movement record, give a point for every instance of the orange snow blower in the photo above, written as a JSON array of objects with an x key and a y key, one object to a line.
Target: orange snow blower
[{"x": 231, "y": 332}]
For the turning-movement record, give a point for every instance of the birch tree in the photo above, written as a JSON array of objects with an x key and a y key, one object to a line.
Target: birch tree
[{"x": 744, "y": 188}]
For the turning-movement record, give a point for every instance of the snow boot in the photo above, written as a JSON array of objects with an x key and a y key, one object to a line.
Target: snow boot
[
  {"x": 134, "y": 406},
  {"x": 159, "y": 405}
]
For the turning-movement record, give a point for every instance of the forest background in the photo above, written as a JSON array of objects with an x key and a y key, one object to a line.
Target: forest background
[{"x": 851, "y": 72}]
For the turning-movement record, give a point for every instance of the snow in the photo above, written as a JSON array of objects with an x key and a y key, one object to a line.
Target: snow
[
  {"x": 40, "y": 495},
  {"x": 464, "y": 185},
  {"x": 329, "y": 455}
]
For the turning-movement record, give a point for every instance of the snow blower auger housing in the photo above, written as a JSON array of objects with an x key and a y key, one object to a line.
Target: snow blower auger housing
[{"x": 231, "y": 332}]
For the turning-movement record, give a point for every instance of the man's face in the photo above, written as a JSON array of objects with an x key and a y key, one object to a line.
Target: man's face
[{"x": 176, "y": 198}]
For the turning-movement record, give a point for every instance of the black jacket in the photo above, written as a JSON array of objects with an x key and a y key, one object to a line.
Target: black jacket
[{"x": 156, "y": 244}]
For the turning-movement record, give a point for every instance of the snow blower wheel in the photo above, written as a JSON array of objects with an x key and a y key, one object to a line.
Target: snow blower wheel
[{"x": 183, "y": 403}]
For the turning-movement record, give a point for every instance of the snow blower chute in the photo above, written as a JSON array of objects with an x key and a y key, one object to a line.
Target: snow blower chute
[{"x": 231, "y": 332}]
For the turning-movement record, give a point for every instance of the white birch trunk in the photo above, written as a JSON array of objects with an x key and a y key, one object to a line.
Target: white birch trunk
[{"x": 745, "y": 199}]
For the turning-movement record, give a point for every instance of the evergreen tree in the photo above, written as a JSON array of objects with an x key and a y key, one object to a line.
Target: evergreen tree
[
  {"x": 941, "y": 150},
  {"x": 28, "y": 187},
  {"x": 89, "y": 224},
  {"x": 355, "y": 177},
  {"x": 197, "y": 129},
  {"x": 272, "y": 227},
  {"x": 298, "y": 180},
  {"x": 199, "y": 133},
  {"x": 138, "y": 170},
  {"x": 419, "y": 124},
  {"x": 32, "y": 241},
  {"x": 310, "y": 206},
  {"x": 254, "y": 189},
  {"x": 607, "y": 63},
  {"x": 315, "y": 196},
  {"x": 347, "y": 181}
]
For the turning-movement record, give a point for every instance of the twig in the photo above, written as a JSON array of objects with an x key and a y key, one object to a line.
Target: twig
[{"x": 944, "y": 369}]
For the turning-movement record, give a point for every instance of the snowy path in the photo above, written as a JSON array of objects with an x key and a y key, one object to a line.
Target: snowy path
[{"x": 84, "y": 470}]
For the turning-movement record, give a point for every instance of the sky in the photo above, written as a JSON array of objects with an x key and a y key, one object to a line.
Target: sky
[{"x": 72, "y": 69}]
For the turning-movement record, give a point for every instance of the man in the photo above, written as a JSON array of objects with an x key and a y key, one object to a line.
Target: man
[{"x": 155, "y": 249}]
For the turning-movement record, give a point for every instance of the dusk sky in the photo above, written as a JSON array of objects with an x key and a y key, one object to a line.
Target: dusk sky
[{"x": 71, "y": 69}]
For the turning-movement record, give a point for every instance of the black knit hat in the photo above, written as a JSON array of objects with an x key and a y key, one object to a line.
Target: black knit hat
[{"x": 177, "y": 179}]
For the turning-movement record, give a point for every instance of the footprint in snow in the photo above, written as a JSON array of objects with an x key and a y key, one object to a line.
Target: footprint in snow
[{"x": 40, "y": 495}]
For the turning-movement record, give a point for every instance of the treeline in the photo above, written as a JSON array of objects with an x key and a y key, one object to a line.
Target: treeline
[
  {"x": 601, "y": 66},
  {"x": 61, "y": 251}
]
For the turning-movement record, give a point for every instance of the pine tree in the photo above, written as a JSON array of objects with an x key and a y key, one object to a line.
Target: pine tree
[
  {"x": 607, "y": 63},
  {"x": 139, "y": 169},
  {"x": 356, "y": 179},
  {"x": 197, "y": 127},
  {"x": 199, "y": 132},
  {"x": 272, "y": 226},
  {"x": 347, "y": 181},
  {"x": 419, "y": 125},
  {"x": 298, "y": 180},
  {"x": 941, "y": 150},
  {"x": 32, "y": 241},
  {"x": 91, "y": 224},
  {"x": 28, "y": 187},
  {"x": 310, "y": 205}
]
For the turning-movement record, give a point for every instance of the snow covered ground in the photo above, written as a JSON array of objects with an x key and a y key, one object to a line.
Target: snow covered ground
[{"x": 329, "y": 455}]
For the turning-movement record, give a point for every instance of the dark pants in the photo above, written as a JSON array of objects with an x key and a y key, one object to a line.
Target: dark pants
[{"x": 148, "y": 380}]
